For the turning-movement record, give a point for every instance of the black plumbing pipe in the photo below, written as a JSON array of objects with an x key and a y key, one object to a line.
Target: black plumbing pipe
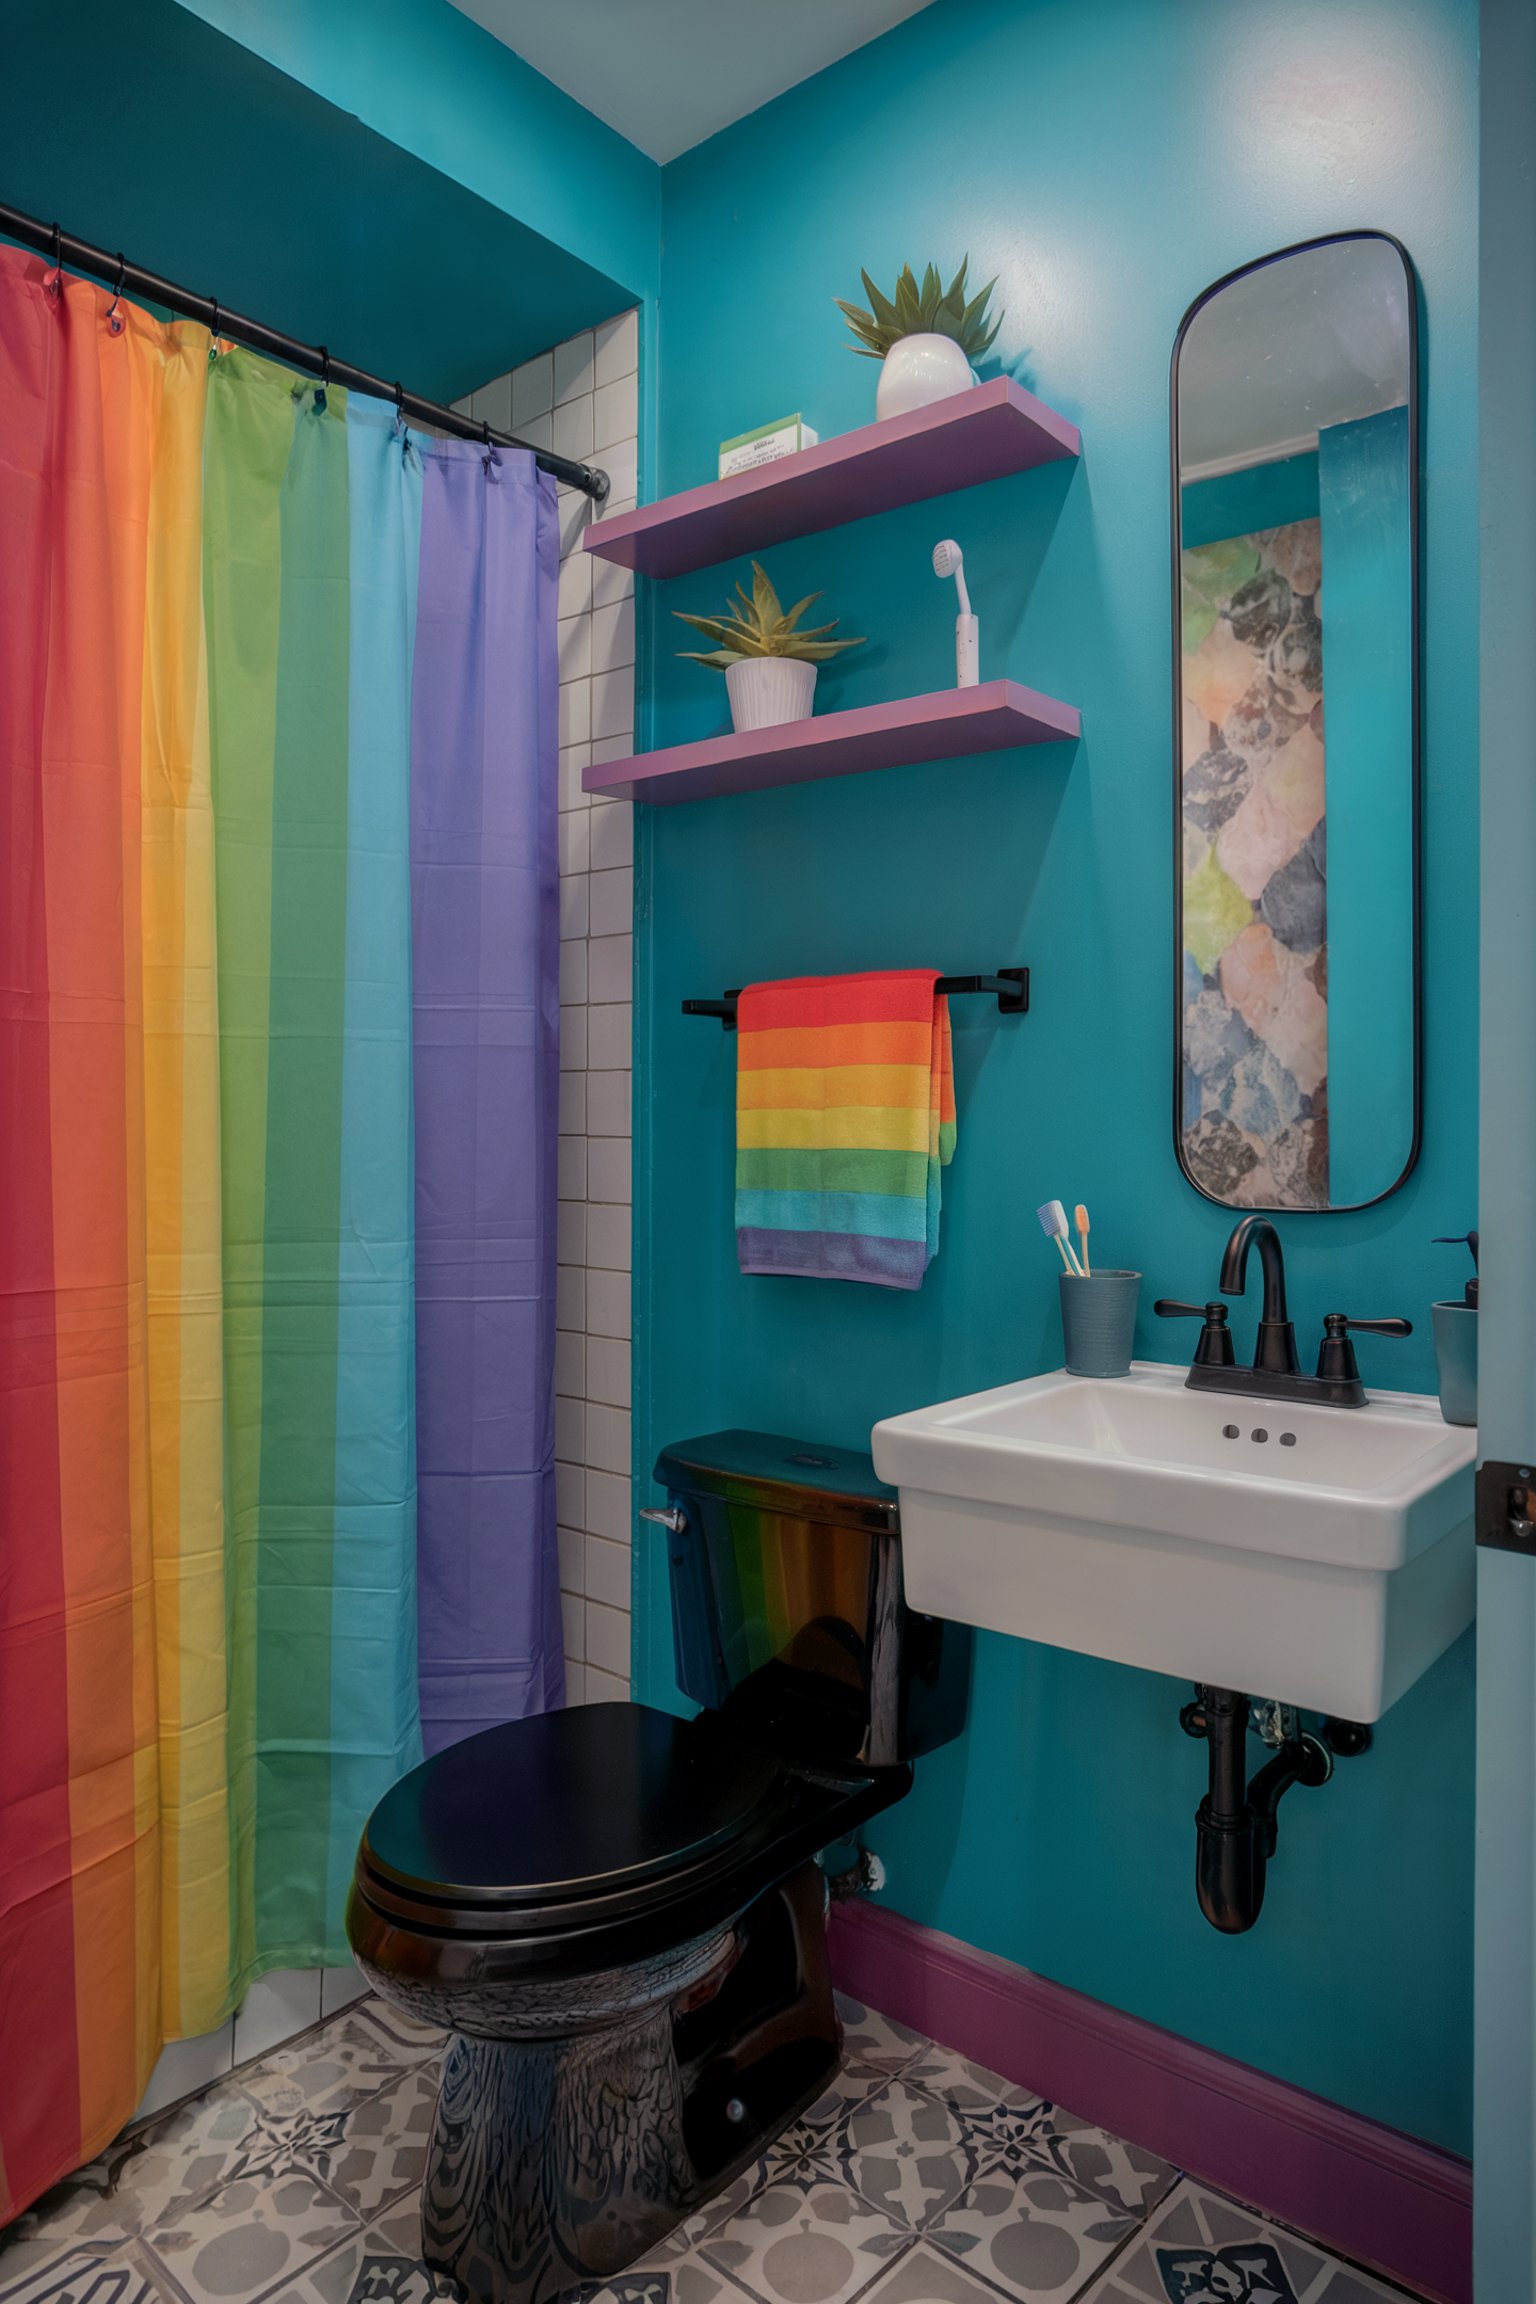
[
  {"x": 1236, "y": 1824},
  {"x": 1229, "y": 1867},
  {"x": 134, "y": 280}
]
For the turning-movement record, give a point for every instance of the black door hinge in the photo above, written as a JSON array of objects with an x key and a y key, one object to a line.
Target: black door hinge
[{"x": 1506, "y": 1507}]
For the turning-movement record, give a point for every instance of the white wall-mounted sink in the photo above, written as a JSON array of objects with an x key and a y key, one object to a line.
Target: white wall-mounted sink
[{"x": 1320, "y": 1555}]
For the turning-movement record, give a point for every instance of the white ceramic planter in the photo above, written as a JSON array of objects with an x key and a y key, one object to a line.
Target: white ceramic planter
[
  {"x": 918, "y": 370},
  {"x": 765, "y": 691}
]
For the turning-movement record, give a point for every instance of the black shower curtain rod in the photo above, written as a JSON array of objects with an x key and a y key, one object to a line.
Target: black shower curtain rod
[{"x": 132, "y": 280}]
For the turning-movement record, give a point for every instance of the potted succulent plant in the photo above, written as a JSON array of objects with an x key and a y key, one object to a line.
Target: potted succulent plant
[
  {"x": 926, "y": 339},
  {"x": 769, "y": 666}
]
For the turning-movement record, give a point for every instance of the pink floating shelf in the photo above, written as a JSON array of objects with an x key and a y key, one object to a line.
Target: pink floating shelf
[
  {"x": 982, "y": 434},
  {"x": 947, "y": 725}
]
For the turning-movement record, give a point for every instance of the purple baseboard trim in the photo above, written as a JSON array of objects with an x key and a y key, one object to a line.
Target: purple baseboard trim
[{"x": 1386, "y": 2199}]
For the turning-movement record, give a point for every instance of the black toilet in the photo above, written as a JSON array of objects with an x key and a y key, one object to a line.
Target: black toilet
[{"x": 617, "y": 1914}]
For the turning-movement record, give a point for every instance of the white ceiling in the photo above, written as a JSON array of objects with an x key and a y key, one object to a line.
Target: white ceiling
[
  {"x": 1314, "y": 339},
  {"x": 668, "y": 73}
]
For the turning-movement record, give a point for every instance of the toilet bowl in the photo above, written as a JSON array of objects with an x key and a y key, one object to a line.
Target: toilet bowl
[{"x": 615, "y": 1913}]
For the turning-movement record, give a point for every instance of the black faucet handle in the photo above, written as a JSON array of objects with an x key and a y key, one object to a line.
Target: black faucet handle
[
  {"x": 1214, "y": 1349},
  {"x": 1336, "y": 1361}
]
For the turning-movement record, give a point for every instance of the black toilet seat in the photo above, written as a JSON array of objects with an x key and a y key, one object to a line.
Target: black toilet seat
[{"x": 599, "y": 1833}]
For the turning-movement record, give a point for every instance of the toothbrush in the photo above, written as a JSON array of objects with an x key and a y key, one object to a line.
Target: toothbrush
[
  {"x": 948, "y": 560},
  {"x": 1053, "y": 1223},
  {"x": 1080, "y": 1214}
]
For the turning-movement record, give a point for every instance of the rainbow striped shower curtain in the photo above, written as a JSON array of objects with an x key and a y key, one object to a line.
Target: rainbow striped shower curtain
[{"x": 277, "y": 693}]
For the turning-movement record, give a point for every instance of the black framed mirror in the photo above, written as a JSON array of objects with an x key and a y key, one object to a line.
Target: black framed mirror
[{"x": 1295, "y": 475}]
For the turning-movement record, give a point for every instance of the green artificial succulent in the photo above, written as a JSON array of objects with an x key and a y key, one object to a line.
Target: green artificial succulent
[
  {"x": 932, "y": 310},
  {"x": 760, "y": 627}
]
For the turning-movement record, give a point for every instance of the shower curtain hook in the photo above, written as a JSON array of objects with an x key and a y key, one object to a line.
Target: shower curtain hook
[
  {"x": 213, "y": 325},
  {"x": 114, "y": 318},
  {"x": 325, "y": 380},
  {"x": 56, "y": 283}
]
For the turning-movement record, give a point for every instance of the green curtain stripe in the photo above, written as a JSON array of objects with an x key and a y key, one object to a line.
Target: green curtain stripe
[
  {"x": 301, "y": 1228},
  {"x": 248, "y": 438},
  {"x": 788, "y": 1169}
]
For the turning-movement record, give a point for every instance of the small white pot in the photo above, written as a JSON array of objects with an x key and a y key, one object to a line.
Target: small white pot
[
  {"x": 918, "y": 370},
  {"x": 766, "y": 691}
]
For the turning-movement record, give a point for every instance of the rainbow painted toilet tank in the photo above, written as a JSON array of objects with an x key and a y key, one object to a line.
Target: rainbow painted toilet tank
[{"x": 788, "y": 1618}]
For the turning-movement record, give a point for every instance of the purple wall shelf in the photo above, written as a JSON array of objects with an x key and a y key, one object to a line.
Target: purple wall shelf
[
  {"x": 982, "y": 434},
  {"x": 949, "y": 724}
]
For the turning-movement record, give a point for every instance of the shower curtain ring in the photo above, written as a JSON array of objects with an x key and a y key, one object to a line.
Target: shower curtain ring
[
  {"x": 213, "y": 325},
  {"x": 114, "y": 319},
  {"x": 56, "y": 282}
]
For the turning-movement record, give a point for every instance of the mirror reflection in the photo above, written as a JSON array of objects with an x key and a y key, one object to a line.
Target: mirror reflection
[{"x": 1295, "y": 645}]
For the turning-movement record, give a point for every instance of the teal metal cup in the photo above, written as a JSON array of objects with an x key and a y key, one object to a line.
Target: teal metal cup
[
  {"x": 1098, "y": 1321},
  {"x": 1456, "y": 1358}
]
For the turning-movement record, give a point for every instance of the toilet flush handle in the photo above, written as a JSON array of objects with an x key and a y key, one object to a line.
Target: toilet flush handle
[{"x": 665, "y": 1516}]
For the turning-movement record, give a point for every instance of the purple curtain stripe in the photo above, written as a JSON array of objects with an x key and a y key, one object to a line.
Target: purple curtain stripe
[{"x": 485, "y": 937}]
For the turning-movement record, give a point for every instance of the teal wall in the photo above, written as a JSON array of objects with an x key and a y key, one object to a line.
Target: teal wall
[
  {"x": 306, "y": 174},
  {"x": 1108, "y": 161},
  {"x": 1260, "y": 496},
  {"x": 1367, "y": 533},
  {"x": 423, "y": 75}
]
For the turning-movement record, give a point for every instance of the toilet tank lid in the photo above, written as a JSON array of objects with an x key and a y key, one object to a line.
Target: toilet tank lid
[{"x": 804, "y": 1479}]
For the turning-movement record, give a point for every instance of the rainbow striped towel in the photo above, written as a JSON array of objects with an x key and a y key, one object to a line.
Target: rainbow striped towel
[{"x": 845, "y": 1113}]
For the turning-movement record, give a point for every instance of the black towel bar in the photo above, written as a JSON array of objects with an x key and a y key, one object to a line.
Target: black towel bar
[{"x": 1011, "y": 986}]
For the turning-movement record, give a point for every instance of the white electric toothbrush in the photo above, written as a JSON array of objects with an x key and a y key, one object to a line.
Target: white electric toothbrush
[{"x": 948, "y": 560}]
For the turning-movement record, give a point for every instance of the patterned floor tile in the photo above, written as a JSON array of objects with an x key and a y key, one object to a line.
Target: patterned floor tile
[
  {"x": 1011, "y": 2124},
  {"x": 141, "y": 2176},
  {"x": 1121, "y": 2173},
  {"x": 379, "y": 2148},
  {"x": 790, "y": 2246},
  {"x": 251, "y": 2235},
  {"x": 690, "y": 2283},
  {"x": 849, "y": 2085},
  {"x": 694, "y": 2230},
  {"x": 383, "y": 2262},
  {"x": 330, "y": 2070},
  {"x": 406, "y": 2036},
  {"x": 82, "y": 2276},
  {"x": 926, "y": 2275},
  {"x": 1199, "y": 2248},
  {"x": 869, "y": 2038},
  {"x": 1035, "y": 2233},
  {"x": 968, "y": 2087},
  {"x": 908, "y": 2154}
]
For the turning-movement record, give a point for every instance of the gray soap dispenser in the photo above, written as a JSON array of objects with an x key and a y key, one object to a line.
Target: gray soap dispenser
[{"x": 1456, "y": 1342}]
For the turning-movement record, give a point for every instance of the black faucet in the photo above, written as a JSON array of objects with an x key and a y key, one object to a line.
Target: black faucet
[
  {"x": 1276, "y": 1371},
  {"x": 1275, "y": 1346}
]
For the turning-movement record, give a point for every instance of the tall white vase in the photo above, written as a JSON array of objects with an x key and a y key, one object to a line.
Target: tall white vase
[
  {"x": 918, "y": 370},
  {"x": 765, "y": 691}
]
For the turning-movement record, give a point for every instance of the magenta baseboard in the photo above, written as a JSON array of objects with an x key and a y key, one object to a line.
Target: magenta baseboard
[{"x": 1374, "y": 2194}]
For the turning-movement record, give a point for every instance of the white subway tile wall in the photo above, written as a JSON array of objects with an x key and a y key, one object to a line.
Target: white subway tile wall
[{"x": 581, "y": 398}]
